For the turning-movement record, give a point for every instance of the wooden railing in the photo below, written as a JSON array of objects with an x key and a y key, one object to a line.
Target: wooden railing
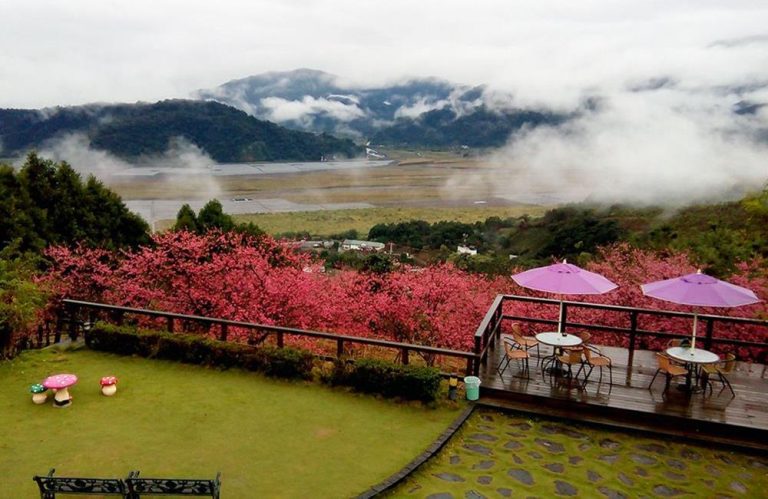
[
  {"x": 494, "y": 318},
  {"x": 74, "y": 310}
]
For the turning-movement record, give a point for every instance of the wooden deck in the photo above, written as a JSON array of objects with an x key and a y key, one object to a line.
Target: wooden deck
[{"x": 628, "y": 403}]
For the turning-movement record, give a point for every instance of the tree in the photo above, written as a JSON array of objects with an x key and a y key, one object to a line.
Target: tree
[
  {"x": 212, "y": 216},
  {"x": 186, "y": 219},
  {"x": 48, "y": 203}
]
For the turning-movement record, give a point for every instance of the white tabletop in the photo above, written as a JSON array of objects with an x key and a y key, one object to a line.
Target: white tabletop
[
  {"x": 556, "y": 339},
  {"x": 694, "y": 355}
]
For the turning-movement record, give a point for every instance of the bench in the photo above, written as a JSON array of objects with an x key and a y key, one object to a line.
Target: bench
[
  {"x": 172, "y": 486},
  {"x": 51, "y": 485}
]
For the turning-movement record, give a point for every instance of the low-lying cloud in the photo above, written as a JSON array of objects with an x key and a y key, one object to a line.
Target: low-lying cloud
[
  {"x": 305, "y": 110},
  {"x": 181, "y": 160},
  {"x": 669, "y": 146}
]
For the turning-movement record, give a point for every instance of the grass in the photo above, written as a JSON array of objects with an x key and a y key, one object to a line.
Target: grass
[
  {"x": 327, "y": 222},
  {"x": 268, "y": 438}
]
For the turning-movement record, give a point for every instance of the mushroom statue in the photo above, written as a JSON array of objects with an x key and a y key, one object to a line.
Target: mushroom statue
[
  {"x": 108, "y": 385},
  {"x": 39, "y": 393},
  {"x": 60, "y": 383}
]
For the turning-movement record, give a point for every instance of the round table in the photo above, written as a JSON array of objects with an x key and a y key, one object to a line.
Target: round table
[
  {"x": 60, "y": 383},
  {"x": 692, "y": 357},
  {"x": 558, "y": 341}
]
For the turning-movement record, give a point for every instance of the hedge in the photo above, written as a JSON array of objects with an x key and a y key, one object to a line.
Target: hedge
[
  {"x": 366, "y": 375},
  {"x": 388, "y": 379},
  {"x": 195, "y": 349}
]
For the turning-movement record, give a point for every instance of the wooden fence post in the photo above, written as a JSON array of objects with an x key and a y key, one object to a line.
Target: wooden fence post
[
  {"x": 563, "y": 316},
  {"x": 170, "y": 324},
  {"x": 339, "y": 349},
  {"x": 708, "y": 337},
  {"x": 72, "y": 323},
  {"x": 632, "y": 336},
  {"x": 224, "y": 331},
  {"x": 280, "y": 342},
  {"x": 405, "y": 356}
]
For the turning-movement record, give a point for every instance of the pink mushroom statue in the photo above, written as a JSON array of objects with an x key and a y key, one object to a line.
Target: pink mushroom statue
[
  {"x": 60, "y": 384},
  {"x": 108, "y": 385}
]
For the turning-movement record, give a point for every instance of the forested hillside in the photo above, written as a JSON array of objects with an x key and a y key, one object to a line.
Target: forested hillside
[{"x": 133, "y": 131}]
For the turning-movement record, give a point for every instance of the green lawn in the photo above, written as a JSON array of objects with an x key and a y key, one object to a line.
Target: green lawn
[{"x": 268, "y": 438}]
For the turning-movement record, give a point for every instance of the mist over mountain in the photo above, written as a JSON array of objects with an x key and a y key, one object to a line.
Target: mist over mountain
[
  {"x": 415, "y": 112},
  {"x": 136, "y": 131}
]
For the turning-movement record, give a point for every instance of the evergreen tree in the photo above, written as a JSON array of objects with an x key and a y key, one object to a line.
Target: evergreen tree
[
  {"x": 186, "y": 219},
  {"x": 212, "y": 216}
]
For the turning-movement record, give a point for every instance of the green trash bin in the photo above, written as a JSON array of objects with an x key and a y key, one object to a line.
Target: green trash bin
[{"x": 472, "y": 384}]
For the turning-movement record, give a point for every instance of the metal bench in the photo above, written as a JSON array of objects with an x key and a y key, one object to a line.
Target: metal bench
[
  {"x": 51, "y": 485},
  {"x": 172, "y": 486}
]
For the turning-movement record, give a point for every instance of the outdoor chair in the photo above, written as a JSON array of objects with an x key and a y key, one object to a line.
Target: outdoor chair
[
  {"x": 719, "y": 370},
  {"x": 513, "y": 352},
  {"x": 669, "y": 369},
  {"x": 593, "y": 358},
  {"x": 585, "y": 337},
  {"x": 570, "y": 358},
  {"x": 525, "y": 342}
]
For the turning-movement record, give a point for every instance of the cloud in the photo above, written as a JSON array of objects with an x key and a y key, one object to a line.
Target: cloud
[
  {"x": 740, "y": 42},
  {"x": 306, "y": 109},
  {"x": 670, "y": 146},
  {"x": 181, "y": 161}
]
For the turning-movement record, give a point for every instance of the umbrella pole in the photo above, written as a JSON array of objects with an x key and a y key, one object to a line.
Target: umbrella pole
[
  {"x": 695, "y": 321},
  {"x": 560, "y": 318}
]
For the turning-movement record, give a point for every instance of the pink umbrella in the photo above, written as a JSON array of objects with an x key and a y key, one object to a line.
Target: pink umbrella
[
  {"x": 699, "y": 290},
  {"x": 564, "y": 279}
]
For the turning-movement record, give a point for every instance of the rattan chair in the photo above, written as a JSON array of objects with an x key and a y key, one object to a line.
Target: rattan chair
[
  {"x": 570, "y": 358},
  {"x": 593, "y": 358},
  {"x": 718, "y": 371},
  {"x": 525, "y": 342},
  {"x": 513, "y": 352},
  {"x": 669, "y": 369}
]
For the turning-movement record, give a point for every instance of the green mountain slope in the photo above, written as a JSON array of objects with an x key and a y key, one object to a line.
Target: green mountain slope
[{"x": 134, "y": 130}]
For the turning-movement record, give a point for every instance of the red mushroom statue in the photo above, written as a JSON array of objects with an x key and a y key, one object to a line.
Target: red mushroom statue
[{"x": 108, "y": 385}]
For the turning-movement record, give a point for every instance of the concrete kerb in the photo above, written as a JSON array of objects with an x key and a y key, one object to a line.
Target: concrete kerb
[{"x": 391, "y": 481}]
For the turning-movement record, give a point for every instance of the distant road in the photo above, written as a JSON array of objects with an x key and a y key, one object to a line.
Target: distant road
[{"x": 228, "y": 169}]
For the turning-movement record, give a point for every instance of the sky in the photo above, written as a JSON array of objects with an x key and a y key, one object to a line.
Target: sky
[
  {"x": 80, "y": 51},
  {"x": 667, "y": 74}
]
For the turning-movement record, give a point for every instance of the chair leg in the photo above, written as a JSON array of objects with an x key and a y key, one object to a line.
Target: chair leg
[
  {"x": 499, "y": 368},
  {"x": 666, "y": 385},
  {"x": 727, "y": 383},
  {"x": 654, "y": 378}
]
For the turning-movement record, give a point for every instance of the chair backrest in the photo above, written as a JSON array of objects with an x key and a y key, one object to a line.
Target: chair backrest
[
  {"x": 728, "y": 363},
  {"x": 588, "y": 354},
  {"x": 663, "y": 361},
  {"x": 574, "y": 355},
  {"x": 585, "y": 336},
  {"x": 517, "y": 331}
]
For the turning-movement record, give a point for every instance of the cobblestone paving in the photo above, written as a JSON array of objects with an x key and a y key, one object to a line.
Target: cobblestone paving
[{"x": 503, "y": 455}]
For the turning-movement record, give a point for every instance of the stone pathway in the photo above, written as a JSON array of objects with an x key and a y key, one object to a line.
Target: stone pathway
[{"x": 504, "y": 455}]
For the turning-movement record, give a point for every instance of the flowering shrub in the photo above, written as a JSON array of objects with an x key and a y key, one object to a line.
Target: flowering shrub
[{"x": 242, "y": 278}]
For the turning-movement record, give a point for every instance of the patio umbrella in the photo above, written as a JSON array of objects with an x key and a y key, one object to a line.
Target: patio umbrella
[
  {"x": 564, "y": 279},
  {"x": 699, "y": 290}
]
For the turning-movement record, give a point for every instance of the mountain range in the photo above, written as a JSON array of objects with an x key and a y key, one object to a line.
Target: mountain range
[
  {"x": 426, "y": 112},
  {"x": 293, "y": 116}
]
